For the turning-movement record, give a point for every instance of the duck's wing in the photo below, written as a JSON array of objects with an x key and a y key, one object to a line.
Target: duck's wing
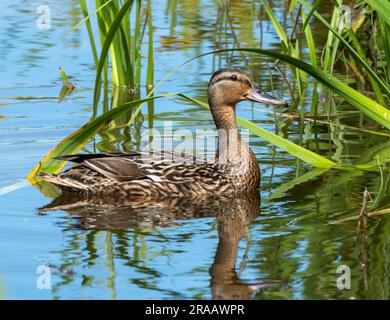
[
  {"x": 79, "y": 158},
  {"x": 147, "y": 157},
  {"x": 115, "y": 168},
  {"x": 158, "y": 167}
]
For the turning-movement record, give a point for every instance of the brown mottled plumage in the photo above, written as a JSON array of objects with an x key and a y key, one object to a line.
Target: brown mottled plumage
[{"x": 165, "y": 174}]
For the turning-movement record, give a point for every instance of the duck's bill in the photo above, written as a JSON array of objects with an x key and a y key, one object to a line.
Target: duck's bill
[{"x": 257, "y": 95}]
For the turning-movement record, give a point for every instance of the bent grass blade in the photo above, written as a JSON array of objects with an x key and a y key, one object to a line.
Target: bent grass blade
[
  {"x": 369, "y": 107},
  {"x": 77, "y": 139},
  {"x": 355, "y": 54}
]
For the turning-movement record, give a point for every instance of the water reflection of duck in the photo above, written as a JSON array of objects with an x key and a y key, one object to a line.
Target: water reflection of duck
[
  {"x": 234, "y": 171},
  {"x": 233, "y": 215},
  {"x": 225, "y": 282}
]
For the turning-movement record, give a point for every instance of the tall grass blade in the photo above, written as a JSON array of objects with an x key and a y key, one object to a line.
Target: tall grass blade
[
  {"x": 137, "y": 43},
  {"x": 86, "y": 15},
  {"x": 311, "y": 12},
  {"x": 371, "y": 108},
  {"x": 382, "y": 7},
  {"x": 150, "y": 68},
  {"x": 293, "y": 3},
  {"x": 360, "y": 51},
  {"x": 386, "y": 46},
  {"x": 106, "y": 46},
  {"x": 84, "y": 10},
  {"x": 330, "y": 45},
  {"x": 77, "y": 139},
  {"x": 370, "y": 71},
  {"x": 310, "y": 41},
  {"x": 278, "y": 27}
]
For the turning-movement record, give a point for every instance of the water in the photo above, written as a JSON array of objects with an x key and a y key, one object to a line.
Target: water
[{"x": 292, "y": 246}]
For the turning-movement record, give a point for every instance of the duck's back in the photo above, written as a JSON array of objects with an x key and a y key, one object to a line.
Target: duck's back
[{"x": 160, "y": 174}]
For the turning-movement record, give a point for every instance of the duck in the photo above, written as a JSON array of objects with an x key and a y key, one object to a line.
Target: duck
[{"x": 235, "y": 169}]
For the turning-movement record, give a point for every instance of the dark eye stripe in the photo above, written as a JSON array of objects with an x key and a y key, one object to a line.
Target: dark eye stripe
[{"x": 230, "y": 79}]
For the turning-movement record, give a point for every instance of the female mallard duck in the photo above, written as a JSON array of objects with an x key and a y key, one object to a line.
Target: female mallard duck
[{"x": 234, "y": 171}]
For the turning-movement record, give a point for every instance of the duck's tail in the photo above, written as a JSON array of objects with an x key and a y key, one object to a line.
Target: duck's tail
[{"x": 63, "y": 182}]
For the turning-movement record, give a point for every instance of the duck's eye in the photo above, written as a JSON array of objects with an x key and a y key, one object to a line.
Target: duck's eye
[{"x": 234, "y": 77}]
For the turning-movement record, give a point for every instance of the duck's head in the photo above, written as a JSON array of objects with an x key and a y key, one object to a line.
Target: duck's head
[{"x": 227, "y": 87}]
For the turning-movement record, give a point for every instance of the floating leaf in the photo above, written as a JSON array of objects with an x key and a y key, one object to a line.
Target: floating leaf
[{"x": 63, "y": 75}]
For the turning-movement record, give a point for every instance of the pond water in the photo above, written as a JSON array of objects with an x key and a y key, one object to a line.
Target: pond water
[{"x": 292, "y": 242}]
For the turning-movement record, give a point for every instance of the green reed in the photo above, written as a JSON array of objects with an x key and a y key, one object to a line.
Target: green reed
[
  {"x": 121, "y": 29},
  {"x": 344, "y": 38}
]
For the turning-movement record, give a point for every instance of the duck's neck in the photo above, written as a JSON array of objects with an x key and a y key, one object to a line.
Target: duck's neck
[
  {"x": 224, "y": 117},
  {"x": 230, "y": 146}
]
